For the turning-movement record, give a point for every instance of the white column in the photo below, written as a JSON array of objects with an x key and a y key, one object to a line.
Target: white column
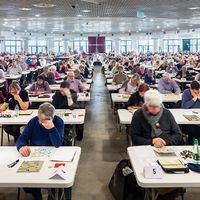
[
  {"x": 25, "y": 44},
  {"x": 116, "y": 46},
  {"x": 50, "y": 45},
  {"x": 134, "y": 44},
  {"x": 155, "y": 45},
  {"x": 66, "y": 45}
]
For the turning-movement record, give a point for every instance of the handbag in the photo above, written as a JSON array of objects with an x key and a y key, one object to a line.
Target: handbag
[{"x": 125, "y": 187}]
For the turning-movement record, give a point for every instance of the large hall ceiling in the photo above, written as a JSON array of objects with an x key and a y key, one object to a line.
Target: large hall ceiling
[{"x": 98, "y": 16}]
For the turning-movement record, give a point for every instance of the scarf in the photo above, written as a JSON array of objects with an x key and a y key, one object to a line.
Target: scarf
[{"x": 154, "y": 122}]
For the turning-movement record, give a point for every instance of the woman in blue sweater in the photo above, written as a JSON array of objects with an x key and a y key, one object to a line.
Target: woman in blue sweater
[{"x": 43, "y": 130}]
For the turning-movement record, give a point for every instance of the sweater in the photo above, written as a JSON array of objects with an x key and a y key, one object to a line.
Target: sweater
[
  {"x": 140, "y": 129},
  {"x": 135, "y": 100},
  {"x": 36, "y": 135},
  {"x": 188, "y": 102}
]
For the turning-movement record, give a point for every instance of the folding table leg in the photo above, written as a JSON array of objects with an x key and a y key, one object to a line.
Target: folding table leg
[
  {"x": 18, "y": 194},
  {"x": 73, "y": 134},
  {"x": 2, "y": 136}
]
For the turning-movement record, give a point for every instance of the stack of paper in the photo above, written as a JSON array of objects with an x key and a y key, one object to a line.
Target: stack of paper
[{"x": 61, "y": 155}]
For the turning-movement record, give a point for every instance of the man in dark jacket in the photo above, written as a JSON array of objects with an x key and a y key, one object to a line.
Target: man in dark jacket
[{"x": 153, "y": 124}]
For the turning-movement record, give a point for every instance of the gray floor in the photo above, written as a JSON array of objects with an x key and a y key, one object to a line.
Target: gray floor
[{"x": 102, "y": 148}]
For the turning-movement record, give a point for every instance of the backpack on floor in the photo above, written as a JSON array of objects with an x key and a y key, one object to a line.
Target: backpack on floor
[{"x": 125, "y": 187}]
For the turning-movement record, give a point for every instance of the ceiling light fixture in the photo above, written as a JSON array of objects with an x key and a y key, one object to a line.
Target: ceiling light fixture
[
  {"x": 151, "y": 20},
  {"x": 44, "y": 5},
  {"x": 158, "y": 27},
  {"x": 79, "y": 15},
  {"x": 194, "y": 8},
  {"x": 37, "y": 15},
  {"x": 25, "y": 9},
  {"x": 85, "y": 11}
]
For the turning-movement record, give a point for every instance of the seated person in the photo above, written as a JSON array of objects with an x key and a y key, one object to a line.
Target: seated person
[
  {"x": 53, "y": 70},
  {"x": 171, "y": 69},
  {"x": 149, "y": 77},
  {"x": 84, "y": 71},
  {"x": 46, "y": 129},
  {"x": 191, "y": 96},
  {"x": 142, "y": 72},
  {"x": 163, "y": 66},
  {"x": 153, "y": 124},
  {"x": 166, "y": 85},
  {"x": 61, "y": 69},
  {"x": 15, "y": 98},
  {"x": 191, "y": 99},
  {"x": 112, "y": 65},
  {"x": 65, "y": 98},
  {"x": 184, "y": 73},
  {"x": 40, "y": 86},
  {"x": 120, "y": 77},
  {"x": 78, "y": 76},
  {"x": 197, "y": 77},
  {"x": 75, "y": 84},
  {"x": 48, "y": 76},
  {"x": 14, "y": 69},
  {"x": 115, "y": 69},
  {"x": 136, "y": 100},
  {"x": 130, "y": 86}
]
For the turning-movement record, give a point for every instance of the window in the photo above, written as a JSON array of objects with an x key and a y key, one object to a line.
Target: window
[
  {"x": 59, "y": 46},
  {"x": 193, "y": 45},
  {"x": 13, "y": 46},
  {"x": 37, "y": 46},
  {"x": 80, "y": 45},
  {"x": 125, "y": 46},
  {"x": 145, "y": 46},
  {"x": 171, "y": 45},
  {"x": 108, "y": 46}
]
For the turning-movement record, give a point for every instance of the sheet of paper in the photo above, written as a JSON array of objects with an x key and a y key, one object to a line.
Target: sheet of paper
[
  {"x": 144, "y": 152},
  {"x": 63, "y": 155},
  {"x": 7, "y": 157}
]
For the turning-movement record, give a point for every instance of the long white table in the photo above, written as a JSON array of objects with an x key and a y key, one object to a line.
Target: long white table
[
  {"x": 11, "y": 179},
  {"x": 142, "y": 155},
  {"x": 81, "y": 98},
  {"x": 125, "y": 116},
  {"x": 74, "y": 118}
]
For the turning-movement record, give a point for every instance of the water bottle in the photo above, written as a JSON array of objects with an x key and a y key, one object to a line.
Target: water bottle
[
  {"x": 16, "y": 110},
  {"x": 196, "y": 151}
]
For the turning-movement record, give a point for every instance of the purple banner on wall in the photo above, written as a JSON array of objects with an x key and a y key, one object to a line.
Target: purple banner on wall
[{"x": 96, "y": 44}]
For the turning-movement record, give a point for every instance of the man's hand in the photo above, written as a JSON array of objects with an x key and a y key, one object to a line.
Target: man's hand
[
  {"x": 158, "y": 142},
  {"x": 177, "y": 92},
  {"x": 25, "y": 151},
  {"x": 194, "y": 96},
  {"x": 48, "y": 124},
  {"x": 17, "y": 97},
  {"x": 67, "y": 92}
]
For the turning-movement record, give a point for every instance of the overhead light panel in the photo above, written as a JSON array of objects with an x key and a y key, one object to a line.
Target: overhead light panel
[
  {"x": 44, "y": 5},
  {"x": 85, "y": 11},
  {"x": 37, "y": 15},
  {"x": 194, "y": 8},
  {"x": 25, "y": 9}
]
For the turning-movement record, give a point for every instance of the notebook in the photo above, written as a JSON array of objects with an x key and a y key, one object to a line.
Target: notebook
[
  {"x": 192, "y": 117},
  {"x": 30, "y": 166}
]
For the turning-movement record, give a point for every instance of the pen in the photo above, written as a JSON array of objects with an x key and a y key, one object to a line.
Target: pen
[{"x": 13, "y": 164}]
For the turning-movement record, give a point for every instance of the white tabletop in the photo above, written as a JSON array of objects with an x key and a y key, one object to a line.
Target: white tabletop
[
  {"x": 10, "y": 178},
  {"x": 77, "y": 116},
  {"x": 182, "y": 80},
  {"x": 139, "y": 160},
  {"x": 2, "y": 81},
  {"x": 125, "y": 116},
  {"x": 171, "y": 98},
  {"x": 119, "y": 98},
  {"x": 13, "y": 77},
  {"x": 113, "y": 87},
  {"x": 81, "y": 98}
]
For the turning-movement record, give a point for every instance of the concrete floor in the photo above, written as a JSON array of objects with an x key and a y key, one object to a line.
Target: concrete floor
[{"x": 103, "y": 147}]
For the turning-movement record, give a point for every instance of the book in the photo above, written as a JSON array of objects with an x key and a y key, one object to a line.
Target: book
[
  {"x": 25, "y": 112},
  {"x": 173, "y": 166},
  {"x": 192, "y": 117},
  {"x": 30, "y": 166}
]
